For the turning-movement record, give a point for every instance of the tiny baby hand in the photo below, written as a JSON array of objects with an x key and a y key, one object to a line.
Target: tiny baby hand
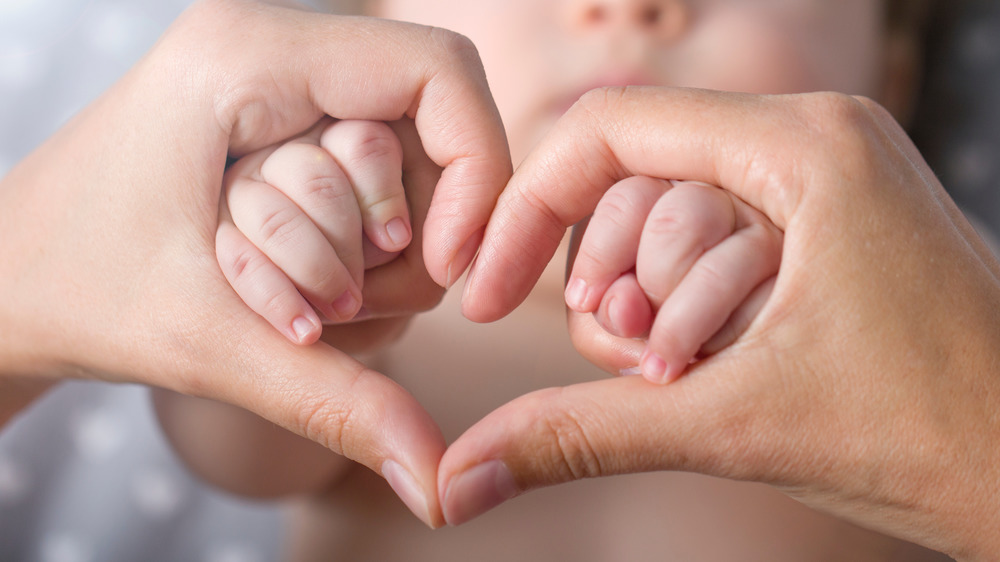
[
  {"x": 684, "y": 264},
  {"x": 300, "y": 221}
]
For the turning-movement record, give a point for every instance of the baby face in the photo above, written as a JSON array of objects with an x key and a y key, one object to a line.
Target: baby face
[{"x": 541, "y": 55}]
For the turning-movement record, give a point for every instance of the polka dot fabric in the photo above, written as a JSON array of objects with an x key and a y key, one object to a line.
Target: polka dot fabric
[{"x": 86, "y": 476}]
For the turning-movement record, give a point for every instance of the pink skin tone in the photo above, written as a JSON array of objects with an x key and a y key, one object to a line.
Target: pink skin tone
[
  {"x": 107, "y": 229},
  {"x": 541, "y": 55},
  {"x": 564, "y": 49},
  {"x": 672, "y": 261},
  {"x": 299, "y": 219}
]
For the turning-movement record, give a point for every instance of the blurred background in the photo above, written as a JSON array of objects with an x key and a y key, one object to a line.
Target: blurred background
[{"x": 85, "y": 474}]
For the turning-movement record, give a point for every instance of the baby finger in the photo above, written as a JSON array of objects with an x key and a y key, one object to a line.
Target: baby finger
[
  {"x": 372, "y": 157},
  {"x": 611, "y": 240}
]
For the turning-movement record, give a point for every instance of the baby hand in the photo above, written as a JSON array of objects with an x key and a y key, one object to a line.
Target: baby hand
[
  {"x": 685, "y": 264},
  {"x": 302, "y": 220}
]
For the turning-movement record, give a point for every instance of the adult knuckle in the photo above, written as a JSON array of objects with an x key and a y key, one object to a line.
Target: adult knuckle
[
  {"x": 573, "y": 447},
  {"x": 455, "y": 45},
  {"x": 537, "y": 203},
  {"x": 598, "y": 101},
  {"x": 330, "y": 422},
  {"x": 839, "y": 119}
]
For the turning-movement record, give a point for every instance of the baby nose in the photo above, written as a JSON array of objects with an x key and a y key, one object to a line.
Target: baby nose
[{"x": 662, "y": 18}]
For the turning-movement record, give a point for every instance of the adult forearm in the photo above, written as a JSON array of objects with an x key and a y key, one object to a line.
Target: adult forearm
[{"x": 22, "y": 363}]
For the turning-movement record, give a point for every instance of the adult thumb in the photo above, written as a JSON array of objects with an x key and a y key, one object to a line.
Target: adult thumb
[
  {"x": 602, "y": 428},
  {"x": 327, "y": 396}
]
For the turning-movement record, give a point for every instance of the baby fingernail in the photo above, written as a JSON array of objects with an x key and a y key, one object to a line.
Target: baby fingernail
[
  {"x": 654, "y": 368},
  {"x": 576, "y": 294},
  {"x": 405, "y": 486},
  {"x": 302, "y": 327},
  {"x": 346, "y": 305},
  {"x": 398, "y": 232},
  {"x": 478, "y": 490},
  {"x": 630, "y": 371}
]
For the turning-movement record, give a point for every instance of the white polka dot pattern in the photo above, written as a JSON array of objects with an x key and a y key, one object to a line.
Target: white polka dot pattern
[
  {"x": 156, "y": 492},
  {"x": 15, "y": 483},
  {"x": 65, "y": 548},
  {"x": 98, "y": 434}
]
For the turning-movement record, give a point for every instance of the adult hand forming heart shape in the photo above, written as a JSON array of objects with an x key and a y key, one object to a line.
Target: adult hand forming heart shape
[
  {"x": 864, "y": 388},
  {"x": 107, "y": 231}
]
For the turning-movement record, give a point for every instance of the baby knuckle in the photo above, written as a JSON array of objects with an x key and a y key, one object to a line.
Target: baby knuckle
[
  {"x": 308, "y": 160},
  {"x": 242, "y": 263},
  {"x": 368, "y": 141},
  {"x": 324, "y": 192},
  {"x": 617, "y": 206},
  {"x": 673, "y": 222},
  {"x": 324, "y": 281},
  {"x": 279, "y": 226},
  {"x": 712, "y": 279}
]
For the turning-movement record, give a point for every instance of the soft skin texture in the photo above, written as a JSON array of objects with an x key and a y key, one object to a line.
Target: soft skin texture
[
  {"x": 542, "y": 55},
  {"x": 107, "y": 230},
  {"x": 867, "y": 385},
  {"x": 302, "y": 205},
  {"x": 677, "y": 263}
]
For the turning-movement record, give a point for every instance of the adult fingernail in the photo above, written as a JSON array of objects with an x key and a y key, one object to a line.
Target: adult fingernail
[
  {"x": 398, "y": 232},
  {"x": 630, "y": 371},
  {"x": 576, "y": 294},
  {"x": 346, "y": 305},
  {"x": 478, "y": 490},
  {"x": 463, "y": 258},
  {"x": 405, "y": 486}
]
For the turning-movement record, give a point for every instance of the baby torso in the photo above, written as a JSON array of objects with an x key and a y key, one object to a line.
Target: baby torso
[{"x": 461, "y": 371}]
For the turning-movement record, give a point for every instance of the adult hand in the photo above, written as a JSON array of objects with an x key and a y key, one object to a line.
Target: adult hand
[
  {"x": 866, "y": 387},
  {"x": 107, "y": 230}
]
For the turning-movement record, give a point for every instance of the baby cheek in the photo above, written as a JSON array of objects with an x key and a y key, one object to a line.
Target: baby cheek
[{"x": 741, "y": 54}]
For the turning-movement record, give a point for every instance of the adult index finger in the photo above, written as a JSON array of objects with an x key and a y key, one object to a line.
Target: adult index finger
[
  {"x": 279, "y": 70},
  {"x": 723, "y": 139}
]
